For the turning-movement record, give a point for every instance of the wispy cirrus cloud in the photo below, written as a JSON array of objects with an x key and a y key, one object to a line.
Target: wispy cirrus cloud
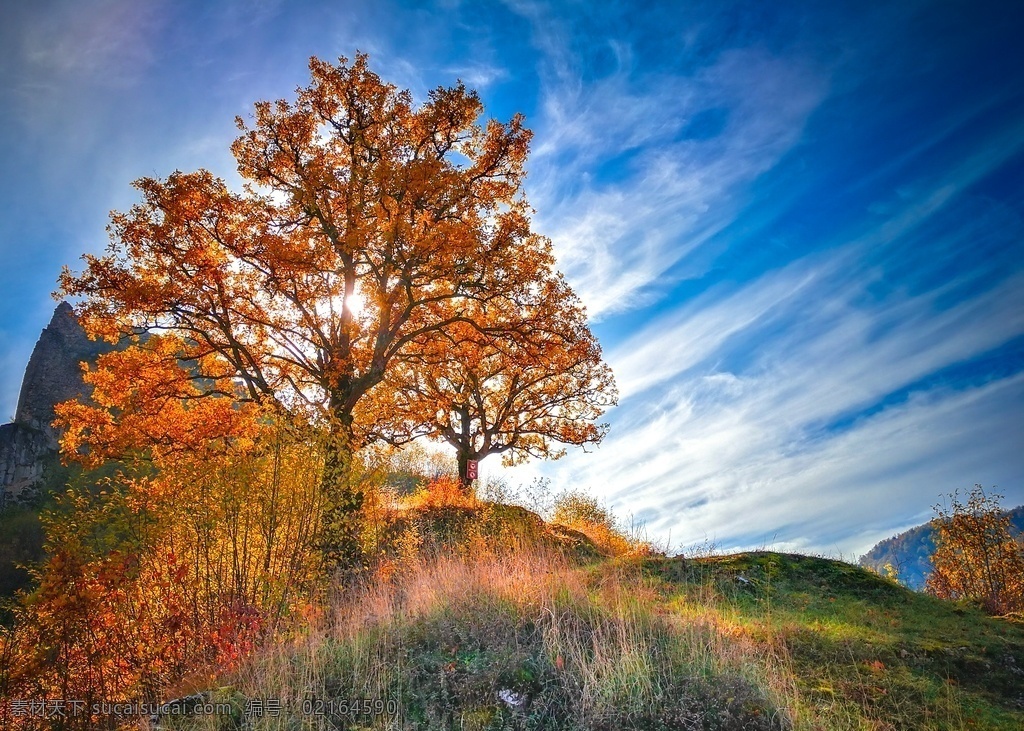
[
  {"x": 755, "y": 451},
  {"x": 694, "y": 334},
  {"x": 110, "y": 41},
  {"x": 803, "y": 410},
  {"x": 839, "y": 494},
  {"x": 636, "y": 171},
  {"x": 477, "y": 76},
  {"x": 818, "y": 403}
]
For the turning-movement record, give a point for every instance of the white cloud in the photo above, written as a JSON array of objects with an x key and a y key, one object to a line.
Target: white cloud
[
  {"x": 477, "y": 76},
  {"x": 110, "y": 40},
  {"x": 795, "y": 445},
  {"x": 759, "y": 414},
  {"x": 614, "y": 240},
  {"x": 689, "y": 335}
]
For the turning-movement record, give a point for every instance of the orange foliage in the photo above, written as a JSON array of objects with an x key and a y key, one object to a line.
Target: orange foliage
[
  {"x": 442, "y": 492},
  {"x": 354, "y": 196},
  {"x": 182, "y": 567},
  {"x": 975, "y": 555},
  {"x": 145, "y": 400},
  {"x": 534, "y": 381}
]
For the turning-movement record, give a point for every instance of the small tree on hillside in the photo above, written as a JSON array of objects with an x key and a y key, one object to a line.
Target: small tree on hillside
[
  {"x": 488, "y": 392},
  {"x": 976, "y": 557}
]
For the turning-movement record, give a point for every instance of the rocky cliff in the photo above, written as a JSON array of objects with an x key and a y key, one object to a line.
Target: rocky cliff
[
  {"x": 54, "y": 372},
  {"x": 23, "y": 453},
  {"x": 53, "y": 375}
]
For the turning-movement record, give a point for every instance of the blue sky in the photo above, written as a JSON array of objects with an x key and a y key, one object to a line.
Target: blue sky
[{"x": 798, "y": 227}]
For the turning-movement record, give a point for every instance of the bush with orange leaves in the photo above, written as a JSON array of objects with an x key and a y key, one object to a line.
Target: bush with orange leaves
[
  {"x": 443, "y": 492},
  {"x": 976, "y": 557},
  {"x": 176, "y": 565}
]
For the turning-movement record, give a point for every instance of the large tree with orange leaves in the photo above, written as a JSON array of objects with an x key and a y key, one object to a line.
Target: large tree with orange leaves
[{"x": 366, "y": 224}]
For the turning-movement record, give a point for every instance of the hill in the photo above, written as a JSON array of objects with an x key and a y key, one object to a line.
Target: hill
[
  {"x": 909, "y": 552},
  {"x": 535, "y": 638}
]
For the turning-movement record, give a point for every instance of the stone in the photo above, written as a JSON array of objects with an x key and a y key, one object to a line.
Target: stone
[
  {"x": 23, "y": 452},
  {"x": 53, "y": 375},
  {"x": 54, "y": 372}
]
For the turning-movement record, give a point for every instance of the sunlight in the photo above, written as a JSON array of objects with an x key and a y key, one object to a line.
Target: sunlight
[
  {"x": 356, "y": 303},
  {"x": 333, "y": 306}
]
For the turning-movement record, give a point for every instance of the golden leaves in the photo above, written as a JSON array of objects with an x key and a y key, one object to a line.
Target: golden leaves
[
  {"x": 976, "y": 557},
  {"x": 509, "y": 378},
  {"x": 352, "y": 189},
  {"x": 146, "y": 398}
]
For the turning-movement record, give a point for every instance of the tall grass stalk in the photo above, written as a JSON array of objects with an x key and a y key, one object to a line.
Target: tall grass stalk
[{"x": 581, "y": 649}]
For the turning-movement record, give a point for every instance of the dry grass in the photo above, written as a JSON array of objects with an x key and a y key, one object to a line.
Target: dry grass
[
  {"x": 637, "y": 643},
  {"x": 580, "y": 648},
  {"x": 479, "y": 619}
]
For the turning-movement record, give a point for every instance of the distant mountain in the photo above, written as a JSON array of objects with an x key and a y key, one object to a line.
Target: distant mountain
[
  {"x": 54, "y": 373},
  {"x": 909, "y": 552}
]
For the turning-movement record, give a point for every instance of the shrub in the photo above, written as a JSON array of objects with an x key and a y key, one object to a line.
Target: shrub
[
  {"x": 976, "y": 557},
  {"x": 583, "y": 513}
]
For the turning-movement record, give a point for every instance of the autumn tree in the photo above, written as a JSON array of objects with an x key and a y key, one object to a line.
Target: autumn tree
[
  {"x": 365, "y": 224},
  {"x": 487, "y": 392},
  {"x": 976, "y": 557},
  {"x": 196, "y": 543}
]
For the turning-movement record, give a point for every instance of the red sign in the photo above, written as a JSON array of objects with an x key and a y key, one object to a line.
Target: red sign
[{"x": 471, "y": 469}]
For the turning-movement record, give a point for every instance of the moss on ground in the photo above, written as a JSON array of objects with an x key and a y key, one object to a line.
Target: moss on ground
[{"x": 865, "y": 651}]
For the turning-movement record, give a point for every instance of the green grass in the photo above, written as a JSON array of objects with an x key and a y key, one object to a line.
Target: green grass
[
  {"x": 723, "y": 643},
  {"x": 864, "y": 651}
]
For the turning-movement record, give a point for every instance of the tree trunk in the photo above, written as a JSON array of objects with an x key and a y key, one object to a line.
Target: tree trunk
[
  {"x": 340, "y": 541},
  {"x": 463, "y": 458},
  {"x": 465, "y": 450}
]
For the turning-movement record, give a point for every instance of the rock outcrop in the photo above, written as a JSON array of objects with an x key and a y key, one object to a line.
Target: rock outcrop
[
  {"x": 23, "y": 453},
  {"x": 54, "y": 372},
  {"x": 53, "y": 375}
]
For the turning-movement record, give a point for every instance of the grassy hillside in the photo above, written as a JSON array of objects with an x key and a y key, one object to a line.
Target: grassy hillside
[
  {"x": 909, "y": 552},
  {"x": 862, "y": 651},
  {"x": 470, "y": 636}
]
